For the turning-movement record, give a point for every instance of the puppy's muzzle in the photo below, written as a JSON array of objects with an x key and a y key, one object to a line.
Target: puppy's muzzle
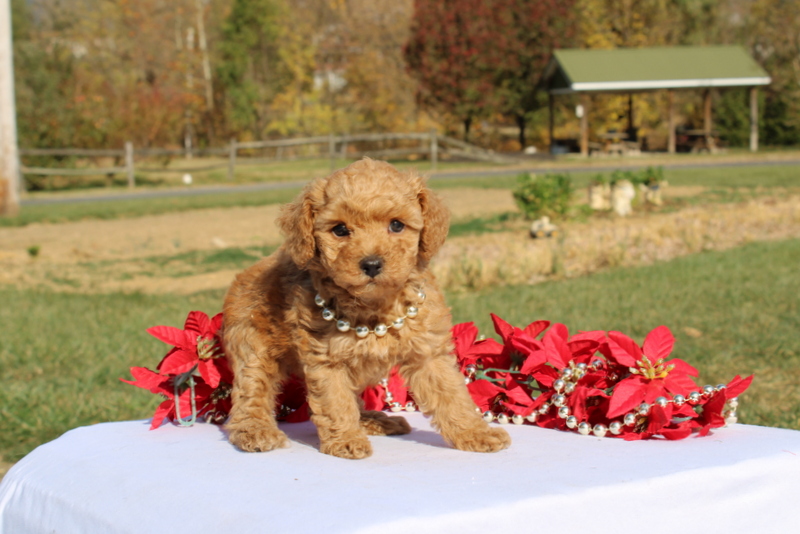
[{"x": 372, "y": 266}]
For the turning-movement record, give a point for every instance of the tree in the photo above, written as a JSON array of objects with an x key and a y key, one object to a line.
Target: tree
[
  {"x": 251, "y": 69},
  {"x": 523, "y": 35},
  {"x": 447, "y": 54},
  {"x": 475, "y": 57}
]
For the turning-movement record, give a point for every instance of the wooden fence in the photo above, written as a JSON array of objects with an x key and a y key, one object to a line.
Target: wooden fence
[{"x": 429, "y": 145}]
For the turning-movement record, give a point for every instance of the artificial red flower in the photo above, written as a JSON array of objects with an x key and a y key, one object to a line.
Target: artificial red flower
[
  {"x": 198, "y": 344},
  {"x": 650, "y": 375}
]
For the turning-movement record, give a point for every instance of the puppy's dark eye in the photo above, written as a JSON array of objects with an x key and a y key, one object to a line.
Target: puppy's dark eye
[
  {"x": 340, "y": 230},
  {"x": 396, "y": 226}
]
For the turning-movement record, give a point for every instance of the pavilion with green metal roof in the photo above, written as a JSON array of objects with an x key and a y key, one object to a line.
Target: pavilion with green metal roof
[{"x": 635, "y": 70}]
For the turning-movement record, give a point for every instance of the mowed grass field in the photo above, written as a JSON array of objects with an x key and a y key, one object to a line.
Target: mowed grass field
[{"x": 62, "y": 355}]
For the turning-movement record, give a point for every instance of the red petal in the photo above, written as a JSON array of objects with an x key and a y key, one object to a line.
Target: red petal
[
  {"x": 624, "y": 350},
  {"x": 659, "y": 343},
  {"x": 536, "y": 328},
  {"x": 681, "y": 367},
  {"x": 535, "y": 359},
  {"x": 559, "y": 330},
  {"x": 209, "y": 372},
  {"x": 150, "y": 380},
  {"x": 464, "y": 335},
  {"x": 179, "y": 362},
  {"x": 556, "y": 350},
  {"x": 483, "y": 393},
  {"x": 680, "y": 432},
  {"x": 737, "y": 386},
  {"x": 164, "y": 411},
  {"x": 659, "y": 418},
  {"x": 626, "y": 396},
  {"x": 595, "y": 335},
  {"x": 216, "y": 324},
  {"x": 503, "y": 329},
  {"x": 199, "y": 323},
  {"x": 174, "y": 336}
]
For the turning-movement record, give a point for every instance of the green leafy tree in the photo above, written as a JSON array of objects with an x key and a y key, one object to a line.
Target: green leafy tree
[{"x": 252, "y": 71}]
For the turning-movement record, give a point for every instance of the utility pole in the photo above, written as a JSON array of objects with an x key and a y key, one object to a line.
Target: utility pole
[{"x": 9, "y": 154}]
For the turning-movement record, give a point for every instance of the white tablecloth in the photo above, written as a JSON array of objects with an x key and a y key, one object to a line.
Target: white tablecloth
[{"x": 121, "y": 477}]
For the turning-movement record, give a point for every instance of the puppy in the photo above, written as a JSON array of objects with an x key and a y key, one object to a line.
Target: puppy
[{"x": 346, "y": 298}]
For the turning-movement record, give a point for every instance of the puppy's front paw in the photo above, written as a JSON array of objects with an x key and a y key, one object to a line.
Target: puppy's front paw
[
  {"x": 257, "y": 438},
  {"x": 487, "y": 439},
  {"x": 353, "y": 449}
]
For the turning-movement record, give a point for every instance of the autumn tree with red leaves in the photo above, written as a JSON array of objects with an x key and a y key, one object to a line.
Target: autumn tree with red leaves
[{"x": 473, "y": 58}]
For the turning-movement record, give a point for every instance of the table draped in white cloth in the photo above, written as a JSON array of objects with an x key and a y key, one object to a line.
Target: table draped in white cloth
[{"x": 123, "y": 478}]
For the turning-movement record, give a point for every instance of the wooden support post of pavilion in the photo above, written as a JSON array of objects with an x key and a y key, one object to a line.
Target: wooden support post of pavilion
[
  {"x": 754, "y": 119},
  {"x": 585, "y": 125},
  {"x": 671, "y": 144}
]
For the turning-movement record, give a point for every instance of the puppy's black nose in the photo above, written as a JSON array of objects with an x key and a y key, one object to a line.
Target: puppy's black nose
[{"x": 372, "y": 266}]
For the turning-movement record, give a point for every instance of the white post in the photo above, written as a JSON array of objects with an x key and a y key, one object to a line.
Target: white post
[
  {"x": 9, "y": 154},
  {"x": 232, "y": 148},
  {"x": 434, "y": 149},
  {"x": 129, "y": 164}
]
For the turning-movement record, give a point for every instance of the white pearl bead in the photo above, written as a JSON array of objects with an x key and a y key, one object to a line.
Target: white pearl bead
[
  {"x": 558, "y": 400},
  {"x": 615, "y": 427},
  {"x": 629, "y": 419},
  {"x": 570, "y": 387},
  {"x": 733, "y": 402},
  {"x": 563, "y": 412},
  {"x": 362, "y": 331},
  {"x": 694, "y": 396},
  {"x": 572, "y": 421},
  {"x": 517, "y": 419},
  {"x": 319, "y": 301},
  {"x": 599, "y": 430},
  {"x": 678, "y": 400},
  {"x": 544, "y": 408},
  {"x": 643, "y": 409},
  {"x": 411, "y": 407},
  {"x": 502, "y": 418},
  {"x": 531, "y": 417},
  {"x": 421, "y": 295},
  {"x": 381, "y": 329},
  {"x": 708, "y": 390},
  {"x": 396, "y": 407},
  {"x": 584, "y": 428},
  {"x": 328, "y": 314},
  {"x": 559, "y": 385},
  {"x": 399, "y": 323},
  {"x": 342, "y": 325},
  {"x": 662, "y": 401},
  {"x": 488, "y": 416},
  {"x": 731, "y": 420},
  {"x": 412, "y": 311}
]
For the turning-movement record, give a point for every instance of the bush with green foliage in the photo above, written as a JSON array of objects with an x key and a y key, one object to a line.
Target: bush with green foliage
[{"x": 548, "y": 195}]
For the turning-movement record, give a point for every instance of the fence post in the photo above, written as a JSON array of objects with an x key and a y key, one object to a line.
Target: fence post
[
  {"x": 232, "y": 148},
  {"x": 332, "y": 151},
  {"x": 434, "y": 149},
  {"x": 129, "y": 164}
]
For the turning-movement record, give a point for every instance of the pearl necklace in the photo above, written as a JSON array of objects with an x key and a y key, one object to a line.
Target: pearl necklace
[{"x": 343, "y": 325}]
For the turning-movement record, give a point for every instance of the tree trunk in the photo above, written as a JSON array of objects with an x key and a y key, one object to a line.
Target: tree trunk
[
  {"x": 521, "y": 124},
  {"x": 467, "y": 124}
]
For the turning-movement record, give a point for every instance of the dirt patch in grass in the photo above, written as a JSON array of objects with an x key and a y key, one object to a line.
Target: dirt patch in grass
[{"x": 186, "y": 252}]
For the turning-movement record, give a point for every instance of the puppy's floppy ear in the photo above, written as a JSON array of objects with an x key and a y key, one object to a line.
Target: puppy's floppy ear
[
  {"x": 436, "y": 219},
  {"x": 296, "y": 222}
]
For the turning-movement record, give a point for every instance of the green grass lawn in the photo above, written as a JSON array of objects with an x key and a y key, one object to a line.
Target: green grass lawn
[{"x": 61, "y": 355}]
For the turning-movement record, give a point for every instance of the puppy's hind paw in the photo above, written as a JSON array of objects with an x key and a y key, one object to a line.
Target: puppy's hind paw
[
  {"x": 257, "y": 438},
  {"x": 488, "y": 439},
  {"x": 380, "y": 424}
]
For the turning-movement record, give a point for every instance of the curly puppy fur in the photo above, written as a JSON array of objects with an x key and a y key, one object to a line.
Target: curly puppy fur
[{"x": 340, "y": 230}]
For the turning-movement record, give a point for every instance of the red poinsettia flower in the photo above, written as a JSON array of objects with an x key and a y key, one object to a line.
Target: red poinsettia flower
[
  {"x": 198, "y": 344},
  {"x": 650, "y": 375}
]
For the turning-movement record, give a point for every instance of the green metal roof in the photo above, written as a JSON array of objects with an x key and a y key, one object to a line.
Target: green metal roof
[{"x": 641, "y": 69}]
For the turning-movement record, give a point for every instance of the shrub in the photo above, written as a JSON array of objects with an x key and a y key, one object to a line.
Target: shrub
[{"x": 548, "y": 195}]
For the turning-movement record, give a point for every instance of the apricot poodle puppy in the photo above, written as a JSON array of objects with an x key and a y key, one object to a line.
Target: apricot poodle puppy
[{"x": 345, "y": 299}]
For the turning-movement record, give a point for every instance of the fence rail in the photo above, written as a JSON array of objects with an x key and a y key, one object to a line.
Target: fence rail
[{"x": 430, "y": 145}]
